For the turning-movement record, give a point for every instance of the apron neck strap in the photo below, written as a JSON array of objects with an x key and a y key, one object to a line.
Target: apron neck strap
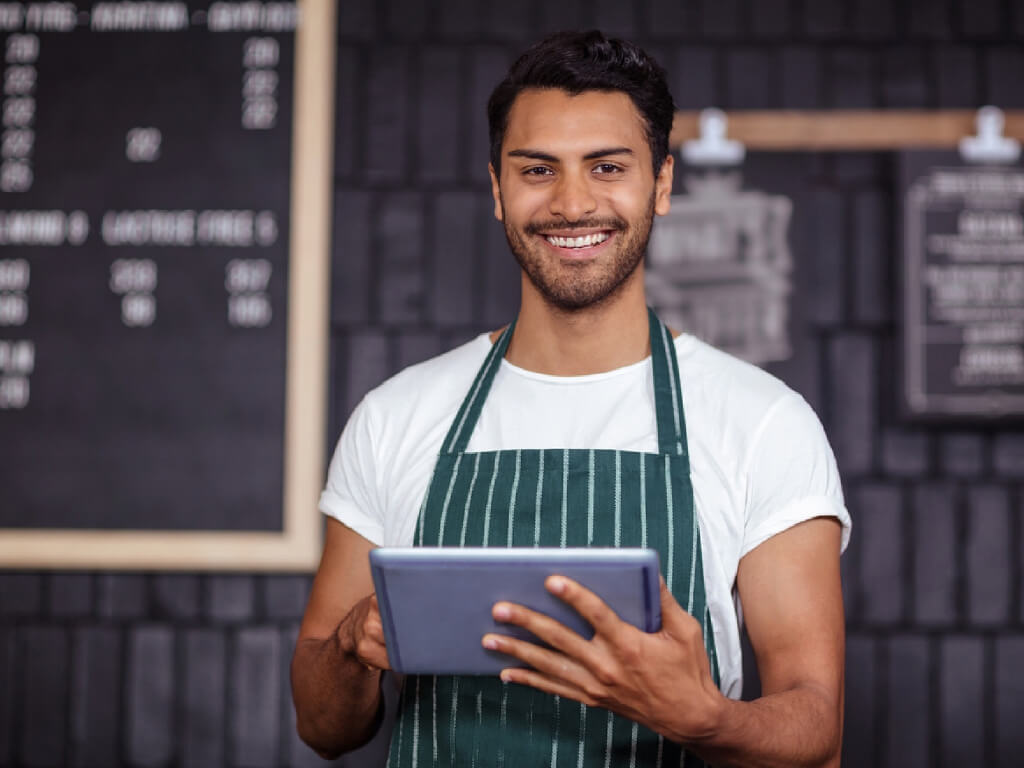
[{"x": 668, "y": 398}]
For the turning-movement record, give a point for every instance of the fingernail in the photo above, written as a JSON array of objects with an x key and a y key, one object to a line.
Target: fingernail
[
  {"x": 556, "y": 585},
  {"x": 506, "y": 677},
  {"x": 490, "y": 642},
  {"x": 501, "y": 611}
]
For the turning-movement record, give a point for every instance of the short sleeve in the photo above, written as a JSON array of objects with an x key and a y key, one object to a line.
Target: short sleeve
[
  {"x": 352, "y": 494},
  {"x": 792, "y": 474}
]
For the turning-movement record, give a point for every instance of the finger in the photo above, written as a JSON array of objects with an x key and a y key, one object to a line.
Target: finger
[
  {"x": 549, "y": 662},
  {"x": 587, "y": 604},
  {"x": 548, "y": 685},
  {"x": 552, "y": 632}
]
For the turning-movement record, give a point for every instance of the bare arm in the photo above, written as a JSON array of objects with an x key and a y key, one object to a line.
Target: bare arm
[
  {"x": 340, "y": 651},
  {"x": 793, "y": 605}
]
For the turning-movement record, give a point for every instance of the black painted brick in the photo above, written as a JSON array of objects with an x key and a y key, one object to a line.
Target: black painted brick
[
  {"x": 511, "y": 21},
  {"x": 176, "y": 595},
  {"x": 1017, "y": 14},
  {"x": 44, "y": 696},
  {"x": 350, "y": 258},
  {"x": 980, "y": 18},
  {"x": 255, "y": 697},
  {"x": 827, "y": 242},
  {"x": 962, "y": 705},
  {"x": 368, "y": 365},
  {"x": 398, "y": 238},
  {"x": 348, "y": 113},
  {"x": 904, "y": 452},
  {"x": 720, "y": 18},
  {"x": 879, "y": 516},
  {"x": 202, "y": 742},
  {"x": 801, "y": 72},
  {"x": 70, "y": 594},
  {"x": 692, "y": 77},
  {"x": 955, "y": 72},
  {"x": 853, "y": 407},
  {"x": 872, "y": 294},
  {"x": 417, "y": 346},
  {"x": 1004, "y": 73},
  {"x": 487, "y": 68},
  {"x": 614, "y": 18},
  {"x": 95, "y": 696},
  {"x": 357, "y": 19},
  {"x": 501, "y": 272},
  {"x": 230, "y": 598},
  {"x": 907, "y": 734},
  {"x": 9, "y": 700},
  {"x": 858, "y": 169},
  {"x": 556, "y": 17},
  {"x": 1009, "y": 700},
  {"x": 285, "y": 596},
  {"x": 459, "y": 19},
  {"x": 669, "y": 19},
  {"x": 150, "y": 736},
  {"x": 20, "y": 594},
  {"x": 905, "y": 78},
  {"x": 935, "y": 554},
  {"x": 751, "y": 75},
  {"x": 859, "y": 737},
  {"x": 988, "y": 549},
  {"x": 405, "y": 19},
  {"x": 439, "y": 115},
  {"x": 929, "y": 20},
  {"x": 771, "y": 18},
  {"x": 824, "y": 18},
  {"x": 962, "y": 455},
  {"x": 387, "y": 113},
  {"x": 1008, "y": 454},
  {"x": 121, "y": 595},
  {"x": 456, "y": 221},
  {"x": 852, "y": 78},
  {"x": 873, "y": 19}
]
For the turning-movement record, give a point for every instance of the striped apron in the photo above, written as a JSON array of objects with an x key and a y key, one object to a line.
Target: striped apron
[{"x": 553, "y": 498}]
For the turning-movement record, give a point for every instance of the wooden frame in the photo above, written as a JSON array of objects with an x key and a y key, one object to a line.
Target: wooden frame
[
  {"x": 297, "y": 547},
  {"x": 853, "y": 130}
]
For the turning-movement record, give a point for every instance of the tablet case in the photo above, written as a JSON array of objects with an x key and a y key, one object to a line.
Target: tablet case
[{"x": 435, "y": 602}]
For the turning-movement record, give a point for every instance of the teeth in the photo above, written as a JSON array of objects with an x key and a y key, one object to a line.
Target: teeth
[{"x": 577, "y": 242}]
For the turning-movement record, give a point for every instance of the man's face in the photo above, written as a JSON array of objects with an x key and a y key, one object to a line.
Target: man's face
[{"x": 577, "y": 193}]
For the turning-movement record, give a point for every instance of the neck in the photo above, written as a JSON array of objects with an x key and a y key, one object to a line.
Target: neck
[{"x": 557, "y": 342}]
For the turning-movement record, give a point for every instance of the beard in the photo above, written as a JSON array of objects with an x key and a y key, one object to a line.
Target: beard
[{"x": 574, "y": 285}]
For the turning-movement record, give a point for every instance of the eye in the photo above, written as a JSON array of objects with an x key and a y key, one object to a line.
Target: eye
[
  {"x": 606, "y": 168},
  {"x": 537, "y": 170}
]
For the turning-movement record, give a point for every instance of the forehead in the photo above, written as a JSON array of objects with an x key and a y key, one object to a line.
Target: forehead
[{"x": 561, "y": 123}]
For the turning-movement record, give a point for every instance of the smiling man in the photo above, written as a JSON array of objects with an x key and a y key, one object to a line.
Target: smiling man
[{"x": 587, "y": 422}]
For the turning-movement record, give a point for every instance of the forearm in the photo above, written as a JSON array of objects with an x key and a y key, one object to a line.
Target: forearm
[
  {"x": 798, "y": 727},
  {"x": 337, "y": 699}
]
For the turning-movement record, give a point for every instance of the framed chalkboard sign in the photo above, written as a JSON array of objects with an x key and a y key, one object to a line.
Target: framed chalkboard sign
[
  {"x": 963, "y": 289},
  {"x": 164, "y": 188}
]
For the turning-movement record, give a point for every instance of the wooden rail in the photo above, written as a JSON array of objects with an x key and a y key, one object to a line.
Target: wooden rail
[{"x": 836, "y": 130}]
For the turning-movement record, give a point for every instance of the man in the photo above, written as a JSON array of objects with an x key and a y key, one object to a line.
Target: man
[{"x": 587, "y": 423}]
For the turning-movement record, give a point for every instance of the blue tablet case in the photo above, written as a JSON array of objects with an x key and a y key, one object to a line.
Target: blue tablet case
[{"x": 435, "y": 603}]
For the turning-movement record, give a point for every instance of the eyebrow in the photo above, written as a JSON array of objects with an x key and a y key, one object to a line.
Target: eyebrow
[{"x": 536, "y": 154}]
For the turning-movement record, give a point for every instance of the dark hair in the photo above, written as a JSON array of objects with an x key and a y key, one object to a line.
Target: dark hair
[{"x": 587, "y": 61}]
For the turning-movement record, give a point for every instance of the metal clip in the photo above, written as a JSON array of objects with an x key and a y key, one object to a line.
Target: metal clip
[
  {"x": 713, "y": 148},
  {"x": 989, "y": 146}
]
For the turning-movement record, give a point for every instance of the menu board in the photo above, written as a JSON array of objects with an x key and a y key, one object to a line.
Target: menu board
[
  {"x": 963, "y": 288},
  {"x": 148, "y": 286}
]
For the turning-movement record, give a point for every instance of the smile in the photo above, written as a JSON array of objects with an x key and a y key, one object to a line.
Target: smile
[{"x": 583, "y": 241}]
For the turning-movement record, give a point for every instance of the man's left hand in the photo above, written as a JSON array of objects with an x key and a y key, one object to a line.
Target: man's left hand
[{"x": 661, "y": 679}]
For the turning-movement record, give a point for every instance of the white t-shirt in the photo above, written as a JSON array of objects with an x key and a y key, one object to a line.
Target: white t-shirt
[{"x": 759, "y": 459}]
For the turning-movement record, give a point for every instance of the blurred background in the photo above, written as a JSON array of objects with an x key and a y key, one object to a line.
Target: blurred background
[{"x": 149, "y": 668}]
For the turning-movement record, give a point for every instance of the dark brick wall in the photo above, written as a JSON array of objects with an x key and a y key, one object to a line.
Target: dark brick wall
[{"x": 191, "y": 669}]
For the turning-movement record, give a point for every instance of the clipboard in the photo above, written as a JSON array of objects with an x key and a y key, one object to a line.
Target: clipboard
[{"x": 435, "y": 602}]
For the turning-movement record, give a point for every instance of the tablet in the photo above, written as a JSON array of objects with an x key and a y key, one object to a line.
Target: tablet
[{"x": 435, "y": 602}]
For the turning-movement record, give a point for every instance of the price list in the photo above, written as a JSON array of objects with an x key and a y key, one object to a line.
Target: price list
[{"x": 144, "y": 265}]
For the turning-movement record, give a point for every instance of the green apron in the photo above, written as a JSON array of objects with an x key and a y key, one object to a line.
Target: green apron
[{"x": 553, "y": 497}]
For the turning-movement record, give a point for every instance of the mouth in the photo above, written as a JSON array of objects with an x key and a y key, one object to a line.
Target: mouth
[{"x": 578, "y": 242}]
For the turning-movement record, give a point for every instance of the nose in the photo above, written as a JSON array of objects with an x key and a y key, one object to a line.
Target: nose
[{"x": 571, "y": 197}]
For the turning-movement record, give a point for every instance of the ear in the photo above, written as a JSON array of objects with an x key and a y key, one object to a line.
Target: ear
[
  {"x": 663, "y": 186},
  {"x": 495, "y": 192}
]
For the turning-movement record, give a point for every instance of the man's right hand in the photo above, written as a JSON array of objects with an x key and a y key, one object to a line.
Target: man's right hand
[{"x": 362, "y": 634}]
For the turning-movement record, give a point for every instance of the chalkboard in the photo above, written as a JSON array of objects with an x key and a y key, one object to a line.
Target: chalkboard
[
  {"x": 963, "y": 289},
  {"x": 158, "y": 332}
]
